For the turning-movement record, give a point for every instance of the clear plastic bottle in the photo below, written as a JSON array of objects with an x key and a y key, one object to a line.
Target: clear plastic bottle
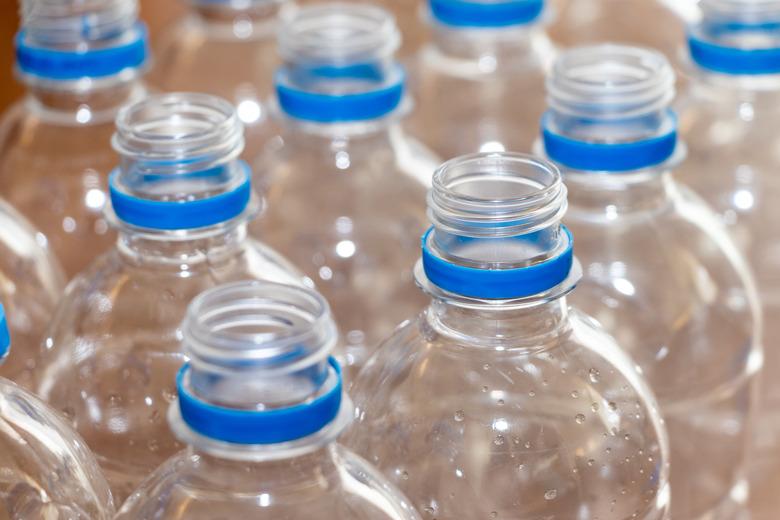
[
  {"x": 80, "y": 62},
  {"x": 479, "y": 83},
  {"x": 260, "y": 406},
  {"x": 728, "y": 117},
  {"x": 347, "y": 187},
  {"x": 499, "y": 400},
  {"x": 661, "y": 272},
  {"x": 227, "y": 49},
  {"x": 47, "y": 470},
  {"x": 31, "y": 283},
  {"x": 181, "y": 201}
]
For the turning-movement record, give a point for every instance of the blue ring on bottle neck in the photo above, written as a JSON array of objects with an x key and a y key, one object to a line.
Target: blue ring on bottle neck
[
  {"x": 506, "y": 13},
  {"x": 259, "y": 427},
  {"x": 609, "y": 157},
  {"x": 497, "y": 284},
  {"x": 5, "y": 336},
  {"x": 733, "y": 60},
  {"x": 60, "y": 65},
  {"x": 179, "y": 215},
  {"x": 342, "y": 108}
]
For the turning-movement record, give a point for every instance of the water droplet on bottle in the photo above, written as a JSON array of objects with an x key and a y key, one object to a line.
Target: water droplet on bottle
[
  {"x": 527, "y": 445},
  {"x": 531, "y": 394},
  {"x": 460, "y": 415},
  {"x": 551, "y": 494},
  {"x": 594, "y": 375},
  {"x": 486, "y": 366},
  {"x": 579, "y": 418},
  {"x": 493, "y": 514},
  {"x": 627, "y": 437},
  {"x": 484, "y": 388},
  {"x": 612, "y": 406},
  {"x": 591, "y": 462},
  {"x": 594, "y": 407},
  {"x": 575, "y": 394},
  {"x": 500, "y": 402},
  {"x": 499, "y": 440},
  {"x": 405, "y": 475}
]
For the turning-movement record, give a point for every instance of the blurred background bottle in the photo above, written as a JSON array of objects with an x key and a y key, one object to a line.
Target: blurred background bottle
[
  {"x": 48, "y": 472},
  {"x": 181, "y": 201},
  {"x": 499, "y": 401},
  {"x": 80, "y": 61},
  {"x": 260, "y": 407},
  {"x": 225, "y": 48},
  {"x": 347, "y": 186},
  {"x": 479, "y": 83},
  {"x": 661, "y": 273},
  {"x": 729, "y": 120},
  {"x": 31, "y": 283}
]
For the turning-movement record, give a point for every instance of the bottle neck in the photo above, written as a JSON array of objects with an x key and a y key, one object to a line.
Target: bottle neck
[
  {"x": 245, "y": 21},
  {"x": 92, "y": 106},
  {"x": 527, "y": 326},
  {"x": 603, "y": 197}
]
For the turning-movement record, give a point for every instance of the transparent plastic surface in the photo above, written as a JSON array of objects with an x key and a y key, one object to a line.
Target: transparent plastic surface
[
  {"x": 31, "y": 283},
  {"x": 729, "y": 125},
  {"x": 520, "y": 408},
  {"x": 347, "y": 200},
  {"x": 48, "y": 472},
  {"x": 227, "y": 49},
  {"x": 112, "y": 352},
  {"x": 482, "y": 71},
  {"x": 662, "y": 275},
  {"x": 258, "y": 348}
]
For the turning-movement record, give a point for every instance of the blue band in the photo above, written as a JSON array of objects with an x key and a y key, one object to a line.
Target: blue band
[
  {"x": 173, "y": 215},
  {"x": 268, "y": 427},
  {"x": 72, "y": 65},
  {"x": 5, "y": 336},
  {"x": 465, "y": 13},
  {"x": 334, "y": 108},
  {"x": 733, "y": 60},
  {"x": 497, "y": 284},
  {"x": 609, "y": 157}
]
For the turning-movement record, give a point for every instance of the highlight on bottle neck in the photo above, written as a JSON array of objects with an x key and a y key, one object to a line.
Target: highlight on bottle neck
[
  {"x": 259, "y": 369},
  {"x": 179, "y": 163},
  {"x": 738, "y": 37},
  {"x": 485, "y": 14},
  {"x": 497, "y": 230},
  {"x": 339, "y": 63},
  {"x": 609, "y": 109},
  {"x": 91, "y": 41}
]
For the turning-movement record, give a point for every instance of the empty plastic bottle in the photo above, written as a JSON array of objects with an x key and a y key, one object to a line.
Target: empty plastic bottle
[
  {"x": 47, "y": 470},
  {"x": 347, "y": 186},
  {"x": 479, "y": 83},
  {"x": 80, "y": 62},
  {"x": 227, "y": 49},
  {"x": 181, "y": 201},
  {"x": 260, "y": 406},
  {"x": 661, "y": 273},
  {"x": 31, "y": 283},
  {"x": 728, "y": 117},
  {"x": 499, "y": 401}
]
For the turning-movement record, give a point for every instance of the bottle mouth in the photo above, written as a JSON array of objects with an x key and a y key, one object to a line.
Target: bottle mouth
[
  {"x": 258, "y": 326},
  {"x": 69, "y": 24},
  {"x": 610, "y": 81},
  {"x": 338, "y": 34},
  {"x": 496, "y": 195}
]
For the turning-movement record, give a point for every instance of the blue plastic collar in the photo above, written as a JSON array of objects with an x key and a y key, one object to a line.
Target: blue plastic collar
[
  {"x": 334, "y": 108},
  {"x": 497, "y": 284},
  {"x": 466, "y": 13},
  {"x": 605, "y": 157},
  {"x": 268, "y": 427},
  {"x": 174, "y": 215},
  {"x": 5, "y": 337},
  {"x": 72, "y": 65},
  {"x": 733, "y": 60}
]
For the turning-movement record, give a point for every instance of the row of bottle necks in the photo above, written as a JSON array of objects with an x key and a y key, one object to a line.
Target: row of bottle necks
[{"x": 527, "y": 393}]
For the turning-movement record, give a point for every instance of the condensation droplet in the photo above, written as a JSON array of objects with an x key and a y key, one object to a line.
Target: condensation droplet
[
  {"x": 579, "y": 418},
  {"x": 612, "y": 406},
  {"x": 460, "y": 415},
  {"x": 575, "y": 394},
  {"x": 551, "y": 494},
  {"x": 594, "y": 375},
  {"x": 499, "y": 440},
  {"x": 531, "y": 394},
  {"x": 594, "y": 407},
  {"x": 591, "y": 462}
]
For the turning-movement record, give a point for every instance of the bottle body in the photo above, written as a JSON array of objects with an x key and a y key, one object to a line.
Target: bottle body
[
  {"x": 518, "y": 425},
  {"x": 47, "y": 470},
  {"x": 33, "y": 284},
  {"x": 668, "y": 283},
  {"x": 349, "y": 212}
]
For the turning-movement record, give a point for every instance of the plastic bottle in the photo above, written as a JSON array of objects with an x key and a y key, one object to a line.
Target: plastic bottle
[
  {"x": 479, "y": 82},
  {"x": 347, "y": 186},
  {"x": 499, "y": 400},
  {"x": 181, "y": 201},
  {"x": 227, "y": 49},
  {"x": 80, "y": 61},
  {"x": 661, "y": 272},
  {"x": 47, "y": 470},
  {"x": 31, "y": 283},
  {"x": 728, "y": 117},
  {"x": 259, "y": 407}
]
